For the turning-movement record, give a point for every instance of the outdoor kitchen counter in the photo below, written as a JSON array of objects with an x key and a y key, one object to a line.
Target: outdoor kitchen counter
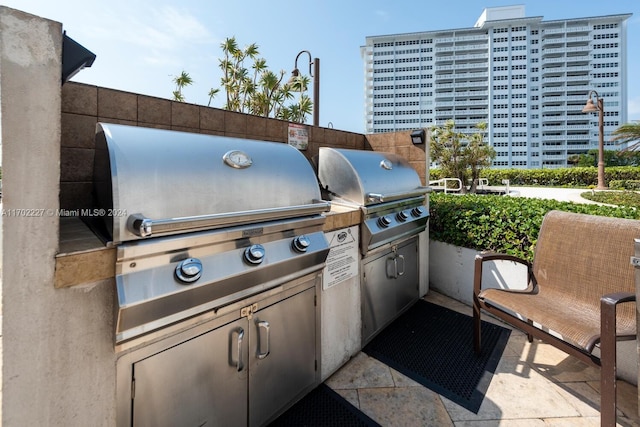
[{"x": 84, "y": 259}]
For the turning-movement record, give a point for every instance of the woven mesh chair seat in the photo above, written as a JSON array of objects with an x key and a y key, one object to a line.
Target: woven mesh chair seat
[{"x": 578, "y": 259}]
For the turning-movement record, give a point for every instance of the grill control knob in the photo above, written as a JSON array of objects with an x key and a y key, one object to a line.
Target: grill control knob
[
  {"x": 402, "y": 216},
  {"x": 254, "y": 254},
  {"x": 384, "y": 221},
  {"x": 417, "y": 211},
  {"x": 189, "y": 270},
  {"x": 301, "y": 243}
]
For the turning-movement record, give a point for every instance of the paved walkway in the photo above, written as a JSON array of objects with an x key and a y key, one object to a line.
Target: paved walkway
[{"x": 561, "y": 194}]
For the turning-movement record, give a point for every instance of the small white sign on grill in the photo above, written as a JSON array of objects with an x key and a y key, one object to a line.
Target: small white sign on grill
[{"x": 343, "y": 258}]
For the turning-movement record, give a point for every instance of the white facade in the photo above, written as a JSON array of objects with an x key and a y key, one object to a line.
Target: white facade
[{"x": 529, "y": 79}]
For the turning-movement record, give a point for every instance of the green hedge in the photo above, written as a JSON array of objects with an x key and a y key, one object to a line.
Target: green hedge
[
  {"x": 622, "y": 184},
  {"x": 562, "y": 177},
  {"x": 501, "y": 224}
]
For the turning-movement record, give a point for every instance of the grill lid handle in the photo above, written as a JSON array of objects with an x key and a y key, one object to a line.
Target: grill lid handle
[
  {"x": 142, "y": 226},
  {"x": 389, "y": 197}
]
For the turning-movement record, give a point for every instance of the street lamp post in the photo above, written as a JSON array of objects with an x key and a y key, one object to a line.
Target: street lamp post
[
  {"x": 315, "y": 73},
  {"x": 590, "y": 107}
]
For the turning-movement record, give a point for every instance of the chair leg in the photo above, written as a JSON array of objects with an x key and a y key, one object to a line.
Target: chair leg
[
  {"x": 529, "y": 336},
  {"x": 608, "y": 366},
  {"x": 477, "y": 325}
]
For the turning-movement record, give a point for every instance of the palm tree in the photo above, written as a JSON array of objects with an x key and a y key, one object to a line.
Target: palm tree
[
  {"x": 254, "y": 89},
  {"x": 628, "y": 132},
  {"x": 181, "y": 81},
  {"x": 212, "y": 93}
]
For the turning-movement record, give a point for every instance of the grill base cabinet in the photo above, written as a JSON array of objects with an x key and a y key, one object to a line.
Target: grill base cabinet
[
  {"x": 242, "y": 368},
  {"x": 389, "y": 285}
]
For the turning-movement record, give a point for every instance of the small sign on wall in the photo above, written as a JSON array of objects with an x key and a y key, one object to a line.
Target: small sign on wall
[
  {"x": 343, "y": 258},
  {"x": 298, "y": 136}
]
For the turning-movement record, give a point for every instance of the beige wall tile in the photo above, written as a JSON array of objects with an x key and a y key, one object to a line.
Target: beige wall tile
[
  {"x": 256, "y": 127},
  {"x": 185, "y": 115},
  {"x": 154, "y": 110},
  {"x": 76, "y": 164},
  {"x": 212, "y": 119},
  {"x": 117, "y": 105},
  {"x": 78, "y": 130},
  {"x": 235, "y": 124},
  {"x": 80, "y": 99},
  {"x": 76, "y": 195}
]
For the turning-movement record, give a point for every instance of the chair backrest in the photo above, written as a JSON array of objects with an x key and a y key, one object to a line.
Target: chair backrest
[{"x": 586, "y": 256}]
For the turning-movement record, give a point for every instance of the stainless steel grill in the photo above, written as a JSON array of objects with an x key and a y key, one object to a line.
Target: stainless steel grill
[
  {"x": 383, "y": 185},
  {"x": 219, "y": 251},
  {"x": 255, "y": 206},
  {"x": 391, "y": 197}
]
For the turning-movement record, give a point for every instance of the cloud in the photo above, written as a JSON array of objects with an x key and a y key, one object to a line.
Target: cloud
[{"x": 160, "y": 33}]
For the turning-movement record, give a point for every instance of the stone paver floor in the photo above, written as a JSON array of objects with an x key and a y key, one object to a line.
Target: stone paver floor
[{"x": 534, "y": 385}]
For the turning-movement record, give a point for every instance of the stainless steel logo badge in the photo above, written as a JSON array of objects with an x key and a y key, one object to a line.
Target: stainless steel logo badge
[{"x": 386, "y": 164}]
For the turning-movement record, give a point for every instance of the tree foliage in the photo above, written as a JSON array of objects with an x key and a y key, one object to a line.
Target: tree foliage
[
  {"x": 460, "y": 155},
  {"x": 250, "y": 87},
  {"x": 611, "y": 158},
  {"x": 181, "y": 81},
  {"x": 628, "y": 132}
]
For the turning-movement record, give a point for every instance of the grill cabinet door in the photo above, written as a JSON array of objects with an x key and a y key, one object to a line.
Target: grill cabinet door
[
  {"x": 389, "y": 286},
  {"x": 282, "y": 353},
  {"x": 194, "y": 383},
  {"x": 407, "y": 286}
]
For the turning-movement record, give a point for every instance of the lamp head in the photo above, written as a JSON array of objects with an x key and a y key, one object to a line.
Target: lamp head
[
  {"x": 590, "y": 107},
  {"x": 295, "y": 73}
]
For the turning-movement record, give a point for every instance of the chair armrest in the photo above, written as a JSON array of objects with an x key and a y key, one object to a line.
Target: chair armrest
[
  {"x": 608, "y": 305},
  {"x": 492, "y": 256},
  {"x": 616, "y": 298}
]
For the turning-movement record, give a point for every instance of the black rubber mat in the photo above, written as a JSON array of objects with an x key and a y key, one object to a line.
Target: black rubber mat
[
  {"x": 323, "y": 407},
  {"x": 434, "y": 346}
]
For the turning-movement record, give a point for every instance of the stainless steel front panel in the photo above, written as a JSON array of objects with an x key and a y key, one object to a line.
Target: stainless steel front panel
[
  {"x": 367, "y": 177},
  {"x": 194, "y": 383},
  {"x": 389, "y": 285},
  {"x": 175, "y": 180},
  {"x": 150, "y": 296},
  {"x": 240, "y": 372},
  {"x": 414, "y": 220},
  {"x": 283, "y": 356}
]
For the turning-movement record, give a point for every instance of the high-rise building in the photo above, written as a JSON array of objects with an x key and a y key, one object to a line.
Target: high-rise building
[{"x": 527, "y": 78}]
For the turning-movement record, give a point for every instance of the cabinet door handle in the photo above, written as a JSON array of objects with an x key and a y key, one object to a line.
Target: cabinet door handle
[
  {"x": 263, "y": 324},
  {"x": 239, "y": 365},
  {"x": 399, "y": 272}
]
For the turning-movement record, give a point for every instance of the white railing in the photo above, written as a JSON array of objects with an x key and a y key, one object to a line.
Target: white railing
[{"x": 443, "y": 184}]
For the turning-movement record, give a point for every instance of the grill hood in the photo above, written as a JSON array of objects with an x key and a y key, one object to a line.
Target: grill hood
[
  {"x": 158, "y": 182},
  {"x": 367, "y": 177}
]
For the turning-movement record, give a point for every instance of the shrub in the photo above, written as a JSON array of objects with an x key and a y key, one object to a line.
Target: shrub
[
  {"x": 618, "y": 198},
  {"x": 628, "y": 184},
  {"x": 561, "y": 177},
  {"x": 501, "y": 224}
]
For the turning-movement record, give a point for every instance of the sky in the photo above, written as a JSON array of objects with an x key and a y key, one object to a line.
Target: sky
[{"x": 141, "y": 45}]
